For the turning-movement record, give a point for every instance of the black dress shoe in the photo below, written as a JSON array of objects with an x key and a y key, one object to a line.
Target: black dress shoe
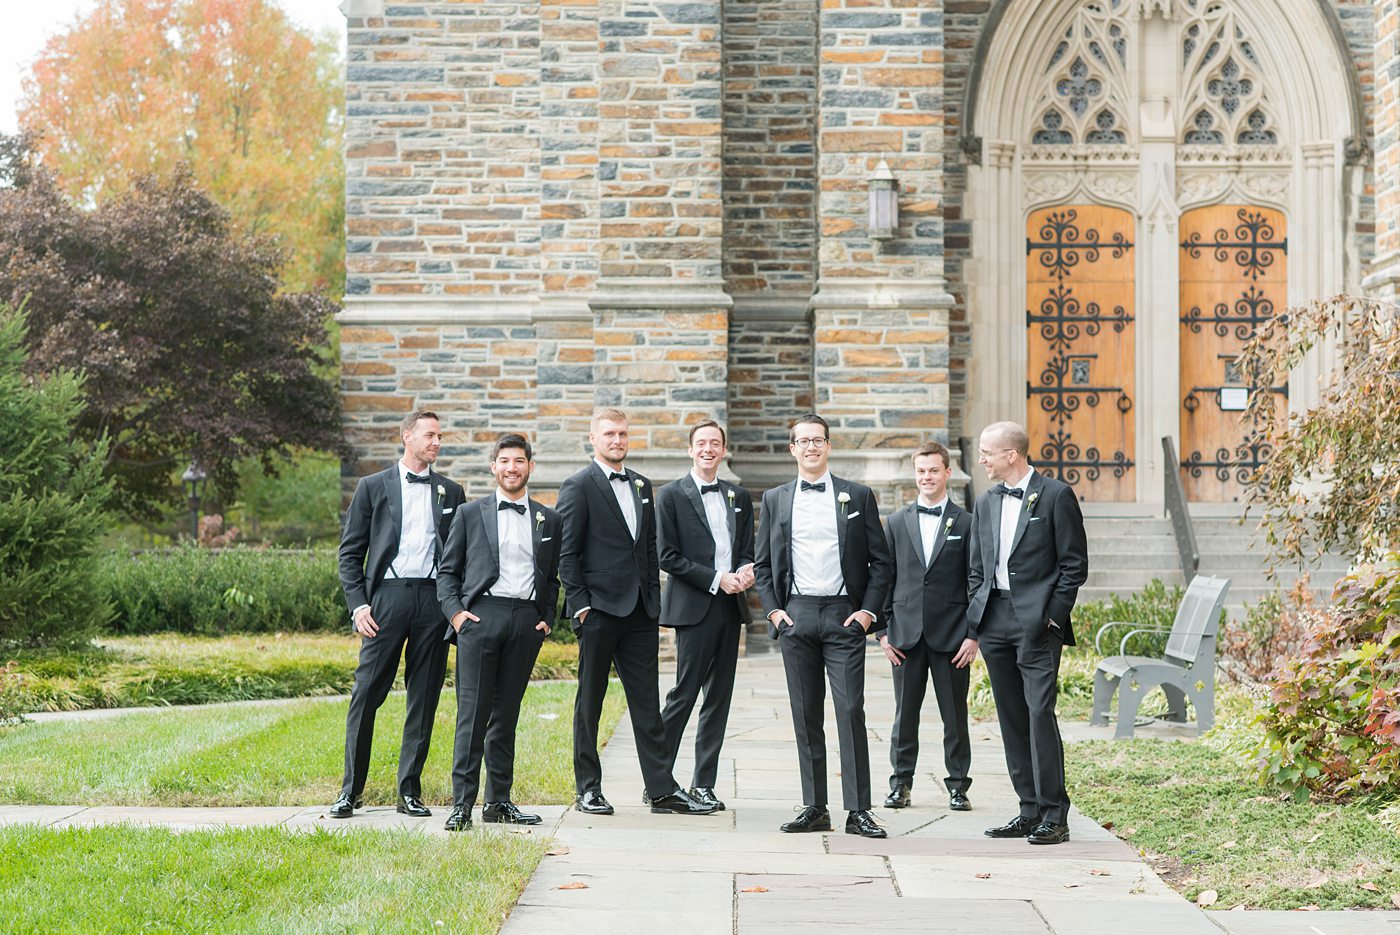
[
  {"x": 706, "y": 796},
  {"x": 505, "y": 813},
  {"x": 460, "y": 819},
  {"x": 593, "y": 803},
  {"x": 811, "y": 818},
  {"x": 1049, "y": 833},
  {"x": 957, "y": 801},
  {"x": 1018, "y": 827},
  {"x": 899, "y": 798},
  {"x": 679, "y": 803},
  {"x": 344, "y": 807},
  {"x": 863, "y": 824},
  {"x": 412, "y": 805}
]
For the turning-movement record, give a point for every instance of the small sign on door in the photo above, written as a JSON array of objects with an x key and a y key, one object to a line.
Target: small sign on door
[{"x": 1234, "y": 399}]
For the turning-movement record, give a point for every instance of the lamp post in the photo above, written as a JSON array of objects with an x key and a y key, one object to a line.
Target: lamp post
[
  {"x": 193, "y": 482},
  {"x": 884, "y": 203}
]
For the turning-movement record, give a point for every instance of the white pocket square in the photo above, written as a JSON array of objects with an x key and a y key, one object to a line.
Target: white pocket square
[
  {"x": 547, "y": 539},
  {"x": 645, "y": 501},
  {"x": 954, "y": 538},
  {"x": 1034, "y": 519},
  {"x": 737, "y": 510},
  {"x": 448, "y": 509},
  {"x": 854, "y": 515}
]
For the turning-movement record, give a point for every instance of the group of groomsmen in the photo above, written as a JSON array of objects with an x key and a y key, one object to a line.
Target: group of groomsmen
[{"x": 422, "y": 568}]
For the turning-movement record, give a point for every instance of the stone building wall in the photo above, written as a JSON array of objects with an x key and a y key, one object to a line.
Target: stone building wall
[{"x": 1385, "y": 281}]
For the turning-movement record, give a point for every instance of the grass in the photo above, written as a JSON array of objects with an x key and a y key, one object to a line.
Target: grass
[
  {"x": 1205, "y": 823},
  {"x": 117, "y": 879},
  {"x": 172, "y": 668},
  {"x": 279, "y": 754}
]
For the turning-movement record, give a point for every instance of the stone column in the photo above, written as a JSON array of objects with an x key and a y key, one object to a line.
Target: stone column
[
  {"x": 660, "y": 313},
  {"x": 1384, "y": 281},
  {"x": 880, "y": 314}
]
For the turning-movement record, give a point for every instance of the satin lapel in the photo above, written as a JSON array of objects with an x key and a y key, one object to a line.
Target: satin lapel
[
  {"x": 992, "y": 532},
  {"x": 536, "y": 533},
  {"x": 910, "y": 518},
  {"x": 394, "y": 494},
  {"x": 636, "y": 505},
  {"x": 729, "y": 516},
  {"x": 1024, "y": 516},
  {"x": 692, "y": 493},
  {"x": 493, "y": 532},
  {"x": 839, "y": 487},
  {"x": 785, "y": 498},
  {"x": 604, "y": 486},
  {"x": 941, "y": 535}
]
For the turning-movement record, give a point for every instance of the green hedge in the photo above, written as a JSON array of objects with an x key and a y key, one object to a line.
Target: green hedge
[{"x": 238, "y": 590}]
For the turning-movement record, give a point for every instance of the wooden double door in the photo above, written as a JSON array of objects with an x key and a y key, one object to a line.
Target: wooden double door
[{"x": 1081, "y": 380}]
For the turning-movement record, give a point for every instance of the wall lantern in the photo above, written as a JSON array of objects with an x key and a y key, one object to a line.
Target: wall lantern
[
  {"x": 884, "y": 203},
  {"x": 193, "y": 481}
]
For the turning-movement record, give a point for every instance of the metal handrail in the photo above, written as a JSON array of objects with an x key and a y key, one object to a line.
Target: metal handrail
[{"x": 1180, "y": 514}]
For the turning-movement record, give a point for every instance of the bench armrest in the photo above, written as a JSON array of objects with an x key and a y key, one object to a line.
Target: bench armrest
[
  {"x": 1123, "y": 645},
  {"x": 1104, "y": 629}
]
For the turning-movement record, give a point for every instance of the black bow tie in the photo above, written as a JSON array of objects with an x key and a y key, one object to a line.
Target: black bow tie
[
  {"x": 819, "y": 486},
  {"x": 418, "y": 478},
  {"x": 617, "y": 475},
  {"x": 1001, "y": 490},
  {"x": 931, "y": 510},
  {"x": 507, "y": 505},
  {"x": 709, "y": 488}
]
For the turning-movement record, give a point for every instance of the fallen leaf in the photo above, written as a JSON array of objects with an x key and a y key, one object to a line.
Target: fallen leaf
[
  {"x": 754, "y": 889},
  {"x": 983, "y": 876},
  {"x": 558, "y": 850},
  {"x": 1128, "y": 833},
  {"x": 573, "y": 886},
  {"x": 1107, "y": 826},
  {"x": 1073, "y": 886},
  {"x": 1368, "y": 885},
  {"x": 1313, "y": 838},
  {"x": 1229, "y": 844},
  {"x": 1099, "y": 873},
  {"x": 1316, "y": 882},
  {"x": 1313, "y": 908},
  {"x": 1395, "y": 899},
  {"x": 1207, "y": 898},
  {"x": 1240, "y": 908}
]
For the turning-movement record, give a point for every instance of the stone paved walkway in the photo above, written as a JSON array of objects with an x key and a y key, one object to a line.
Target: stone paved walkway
[{"x": 735, "y": 873}]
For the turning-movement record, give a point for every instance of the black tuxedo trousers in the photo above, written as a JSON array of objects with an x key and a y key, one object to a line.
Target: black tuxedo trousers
[
  {"x": 706, "y": 656},
  {"x": 631, "y": 643},
  {"x": 410, "y": 623},
  {"x": 495, "y": 656},
  {"x": 817, "y": 640},
  {"x": 1025, "y": 683},
  {"x": 950, "y": 687}
]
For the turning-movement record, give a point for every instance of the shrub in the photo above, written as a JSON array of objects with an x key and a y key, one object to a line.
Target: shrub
[
  {"x": 1270, "y": 634},
  {"x": 52, "y": 498},
  {"x": 15, "y": 699},
  {"x": 238, "y": 590},
  {"x": 1332, "y": 721},
  {"x": 1153, "y": 607}
]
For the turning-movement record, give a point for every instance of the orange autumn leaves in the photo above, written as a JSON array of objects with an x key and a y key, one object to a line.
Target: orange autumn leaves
[{"x": 253, "y": 103}]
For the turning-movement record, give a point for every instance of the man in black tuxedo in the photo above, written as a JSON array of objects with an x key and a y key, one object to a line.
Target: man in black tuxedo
[
  {"x": 705, "y": 540},
  {"x": 1030, "y": 556},
  {"x": 927, "y": 631},
  {"x": 822, "y": 568},
  {"x": 498, "y": 586},
  {"x": 612, "y": 584},
  {"x": 389, "y": 553}
]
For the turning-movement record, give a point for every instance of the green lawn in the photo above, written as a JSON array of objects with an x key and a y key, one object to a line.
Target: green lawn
[
  {"x": 172, "y": 668},
  {"x": 119, "y": 879},
  {"x": 1206, "y": 824},
  {"x": 278, "y": 754}
]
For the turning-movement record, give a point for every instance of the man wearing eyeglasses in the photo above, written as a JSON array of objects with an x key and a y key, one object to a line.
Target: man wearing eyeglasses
[
  {"x": 1029, "y": 560},
  {"x": 822, "y": 569}
]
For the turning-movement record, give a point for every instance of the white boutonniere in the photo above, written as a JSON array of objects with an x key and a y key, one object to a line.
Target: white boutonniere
[
  {"x": 1030, "y": 501},
  {"x": 539, "y": 517},
  {"x": 730, "y": 495},
  {"x": 639, "y": 485},
  {"x": 843, "y": 498},
  {"x": 947, "y": 525},
  {"x": 442, "y": 491}
]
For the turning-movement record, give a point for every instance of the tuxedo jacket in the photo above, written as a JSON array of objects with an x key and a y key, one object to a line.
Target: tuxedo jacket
[
  {"x": 370, "y": 540},
  {"x": 928, "y": 601},
  {"x": 601, "y": 564},
  {"x": 471, "y": 559},
  {"x": 865, "y": 557},
  {"x": 685, "y": 546},
  {"x": 1049, "y": 559}
]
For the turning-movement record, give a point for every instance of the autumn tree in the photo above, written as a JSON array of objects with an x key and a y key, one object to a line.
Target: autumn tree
[
  {"x": 232, "y": 87},
  {"x": 188, "y": 348}
]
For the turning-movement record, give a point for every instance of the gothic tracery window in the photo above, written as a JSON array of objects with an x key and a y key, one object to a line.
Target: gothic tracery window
[{"x": 1222, "y": 90}]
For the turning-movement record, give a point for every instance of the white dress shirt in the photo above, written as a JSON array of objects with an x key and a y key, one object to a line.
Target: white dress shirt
[
  {"x": 929, "y": 526},
  {"x": 417, "y": 531},
  {"x": 516, "y": 558},
  {"x": 1010, "y": 513},
  {"x": 816, "y": 547},
  {"x": 626, "y": 499},
  {"x": 716, "y": 507}
]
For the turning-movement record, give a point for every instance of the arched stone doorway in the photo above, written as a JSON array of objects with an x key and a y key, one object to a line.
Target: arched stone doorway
[{"x": 1185, "y": 163}]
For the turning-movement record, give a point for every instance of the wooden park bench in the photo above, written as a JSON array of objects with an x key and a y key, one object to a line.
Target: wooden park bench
[{"x": 1185, "y": 671}]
